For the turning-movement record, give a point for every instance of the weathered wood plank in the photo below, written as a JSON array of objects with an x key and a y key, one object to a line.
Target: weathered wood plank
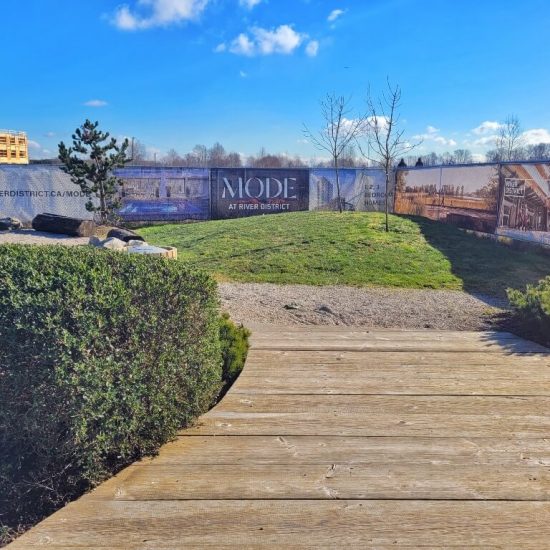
[
  {"x": 293, "y": 524},
  {"x": 332, "y": 449},
  {"x": 394, "y": 385},
  {"x": 329, "y": 480},
  {"x": 499, "y": 406},
  {"x": 370, "y": 425},
  {"x": 305, "y": 360}
]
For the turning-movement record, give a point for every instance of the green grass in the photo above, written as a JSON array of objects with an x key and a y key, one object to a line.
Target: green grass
[{"x": 322, "y": 248}]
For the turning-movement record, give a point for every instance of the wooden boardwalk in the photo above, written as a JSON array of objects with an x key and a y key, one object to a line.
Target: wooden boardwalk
[{"x": 338, "y": 438}]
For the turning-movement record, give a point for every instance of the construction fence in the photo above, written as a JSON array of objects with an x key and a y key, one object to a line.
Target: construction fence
[{"x": 508, "y": 199}]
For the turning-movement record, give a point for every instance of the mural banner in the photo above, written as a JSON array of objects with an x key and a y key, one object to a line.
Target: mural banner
[
  {"x": 29, "y": 190},
  {"x": 238, "y": 192},
  {"x": 525, "y": 202},
  {"x": 466, "y": 196},
  {"x": 164, "y": 194},
  {"x": 360, "y": 189}
]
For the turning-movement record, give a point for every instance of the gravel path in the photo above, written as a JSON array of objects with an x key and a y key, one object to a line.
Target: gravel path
[
  {"x": 29, "y": 236},
  {"x": 350, "y": 306}
]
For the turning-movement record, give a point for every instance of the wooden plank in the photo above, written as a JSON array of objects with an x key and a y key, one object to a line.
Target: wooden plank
[
  {"x": 329, "y": 343},
  {"x": 398, "y": 405},
  {"x": 329, "y": 480},
  {"x": 332, "y": 449},
  {"x": 306, "y": 360},
  {"x": 371, "y": 425},
  {"x": 393, "y": 384},
  {"x": 293, "y": 524}
]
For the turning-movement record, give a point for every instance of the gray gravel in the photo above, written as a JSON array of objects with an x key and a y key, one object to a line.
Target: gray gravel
[
  {"x": 29, "y": 236},
  {"x": 350, "y": 306}
]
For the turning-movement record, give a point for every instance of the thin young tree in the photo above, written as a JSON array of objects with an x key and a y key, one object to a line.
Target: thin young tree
[
  {"x": 339, "y": 130},
  {"x": 510, "y": 140},
  {"x": 90, "y": 162},
  {"x": 386, "y": 141}
]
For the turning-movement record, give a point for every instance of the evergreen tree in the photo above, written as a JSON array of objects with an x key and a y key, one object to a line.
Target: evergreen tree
[{"x": 90, "y": 162}]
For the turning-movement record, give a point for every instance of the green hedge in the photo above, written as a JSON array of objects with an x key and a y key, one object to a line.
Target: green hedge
[
  {"x": 532, "y": 310},
  {"x": 234, "y": 343},
  {"x": 103, "y": 357}
]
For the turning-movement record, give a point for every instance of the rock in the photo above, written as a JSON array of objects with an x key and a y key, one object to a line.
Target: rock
[
  {"x": 292, "y": 305},
  {"x": 147, "y": 249},
  {"x": 124, "y": 234},
  {"x": 7, "y": 224},
  {"x": 135, "y": 242},
  {"x": 112, "y": 243},
  {"x": 95, "y": 241},
  {"x": 325, "y": 309}
]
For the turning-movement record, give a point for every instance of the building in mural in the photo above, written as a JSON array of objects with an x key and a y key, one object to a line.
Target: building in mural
[
  {"x": 360, "y": 189},
  {"x": 164, "y": 194},
  {"x": 14, "y": 147},
  {"x": 525, "y": 202},
  {"x": 466, "y": 196},
  {"x": 238, "y": 192}
]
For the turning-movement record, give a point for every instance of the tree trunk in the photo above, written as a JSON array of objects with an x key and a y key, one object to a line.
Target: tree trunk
[
  {"x": 338, "y": 185},
  {"x": 386, "y": 205},
  {"x": 63, "y": 225}
]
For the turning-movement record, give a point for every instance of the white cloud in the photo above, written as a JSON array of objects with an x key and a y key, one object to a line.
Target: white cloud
[
  {"x": 242, "y": 45},
  {"x": 34, "y": 144},
  {"x": 432, "y": 135},
  {"x": 96, "y": 103},
  {"x": 478, "y": 157},
  {"x": 536, "y": 136},
  {"x": 220, "y": 48},
  {"x": 249, "y": 4},
  {"x": 49, "y": 134},
  {"x": 160, "y": 13},
  {"x": 282, "y": 40},
  {"x": 487, "y": 127},
  {"x": 312, "y": 48},
  {"x": 243, "y": 74},
  {"x": 335, "y": 14}
]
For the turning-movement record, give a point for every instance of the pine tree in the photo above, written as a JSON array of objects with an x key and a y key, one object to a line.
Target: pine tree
[{"x": 90, "y": 162}]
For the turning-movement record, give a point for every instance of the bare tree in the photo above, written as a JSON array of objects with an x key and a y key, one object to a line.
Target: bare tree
[
  {"x": 138, "y": 151},
  {"x": 338, "y": 132},
  {"x": 172, "y": 158},
  {"x": 385, "y": 139},
  {"x": 462, "y": 156},
  {"x": 510, "y": 139}
]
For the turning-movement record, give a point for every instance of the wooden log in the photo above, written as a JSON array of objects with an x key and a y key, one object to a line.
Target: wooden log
[
  {"x": 64, "y": 225},
  {"x": 124, "y": 235}
]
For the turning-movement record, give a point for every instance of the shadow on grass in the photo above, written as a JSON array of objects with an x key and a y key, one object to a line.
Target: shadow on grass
[{"x": 484, "y": 266}]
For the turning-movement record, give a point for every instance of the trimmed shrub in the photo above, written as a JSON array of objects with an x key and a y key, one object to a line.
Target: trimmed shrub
[
  {"x": 532, "y": 310},
  {"x": 103, "y": 357},
  {"x": 234, "y": 344}
]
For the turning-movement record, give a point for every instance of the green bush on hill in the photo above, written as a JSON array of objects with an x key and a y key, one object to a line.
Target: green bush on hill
[
  {"x": 104, "y": 357},
  {"x": 532, "y": 310}
]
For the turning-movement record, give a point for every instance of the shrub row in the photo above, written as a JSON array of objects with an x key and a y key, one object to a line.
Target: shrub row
[
  {"x": 532, "y": 310},
  {"x": 104, "y": 357}
]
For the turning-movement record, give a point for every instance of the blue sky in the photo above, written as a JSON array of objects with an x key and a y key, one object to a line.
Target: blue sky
[{"x": 249, "y": 73}]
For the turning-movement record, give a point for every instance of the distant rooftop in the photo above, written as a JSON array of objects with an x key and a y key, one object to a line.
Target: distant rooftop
[{"x": 13, "y": 133}]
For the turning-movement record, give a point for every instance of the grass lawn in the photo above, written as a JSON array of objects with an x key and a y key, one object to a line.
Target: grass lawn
[{"x": 322, "y": 248}]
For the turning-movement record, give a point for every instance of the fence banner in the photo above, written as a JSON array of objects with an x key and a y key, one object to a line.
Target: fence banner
[
  {"x": 466, "y": 196},
  {"x": 360, "y": 189},
  {"x": 164, "y": 194},
  {"x": 525, "y": 202},
  {"x": 29, "y": 190},
  {"x": 240, "y": 192}
]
